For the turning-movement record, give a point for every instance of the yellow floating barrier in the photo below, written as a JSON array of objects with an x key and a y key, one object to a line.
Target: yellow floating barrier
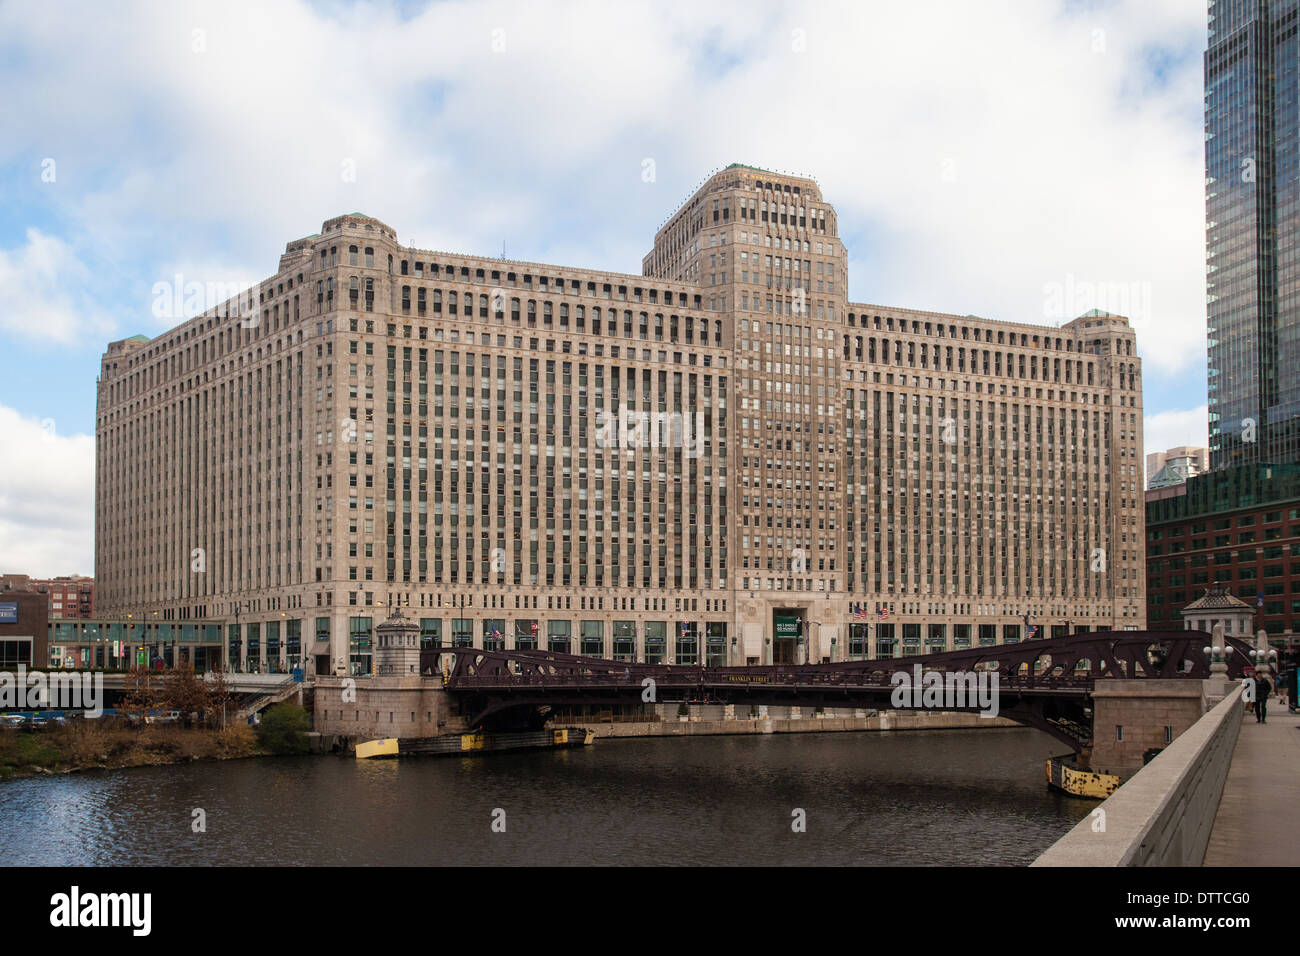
[
  {"x": 1080, "y": 783},
  {"x": 386, "y": 747}
]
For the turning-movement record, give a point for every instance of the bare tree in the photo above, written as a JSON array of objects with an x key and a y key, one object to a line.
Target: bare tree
[
  {"x": 141, "y": 692},
  {"x": 217, "y": 692},
  {"x": 182, "y": 691}
]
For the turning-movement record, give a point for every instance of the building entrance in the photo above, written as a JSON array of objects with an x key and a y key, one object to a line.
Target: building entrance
[{"x": 786, "y": 629}]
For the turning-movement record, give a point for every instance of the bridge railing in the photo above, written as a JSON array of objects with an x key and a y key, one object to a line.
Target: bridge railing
[
  {"x": 1164, "y": 814},
  {"x": 714, "y": 678},
  {"x": 1068, "y": 663}
]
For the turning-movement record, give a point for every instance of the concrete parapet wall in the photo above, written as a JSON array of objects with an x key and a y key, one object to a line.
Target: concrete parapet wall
[{"x": 1163, "y": 815}]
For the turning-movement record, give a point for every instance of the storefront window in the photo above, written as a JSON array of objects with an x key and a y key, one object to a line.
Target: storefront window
[
  {"x": 293, "y": 643},
  {"x": 625, "y": 640},
  {"x": 273, "y": 646},
  {"x": 462, "y": 632},
  {"x": 526, "y": 634},
  {"x": 360, "y": 646},
  {"x": 886, "y": 646},
  {"x": 936, "y": 638},
  {"x": 430, "y": 632},
  {"x": 236, "y": 645},
  {"x": 688, "y": 644},
  {"x": 558, "y": 634},
  {"x": 716, "y": 644},
  {"x": 859, "y": 634},
  {"x": 593, "y": 638},
  {"x": 253, "y": 637},
  {"x": 656, "y": 641}
]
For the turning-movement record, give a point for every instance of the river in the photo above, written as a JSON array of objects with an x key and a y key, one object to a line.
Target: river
[{"x": 919, "y": 797}]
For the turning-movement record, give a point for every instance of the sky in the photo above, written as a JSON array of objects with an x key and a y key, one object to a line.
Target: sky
[{"x": 1022, "y": 161}]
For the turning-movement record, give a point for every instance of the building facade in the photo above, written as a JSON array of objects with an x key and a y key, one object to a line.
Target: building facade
[
  {"x": 722, "y": 460},
  {"x": 24, "y": 620},
  {"x": 1238, "y": 528},
  {"x": 71, "y": 597},
  {"x": 1176, "y": 465},
  {"x": 1252, "y": 206}
]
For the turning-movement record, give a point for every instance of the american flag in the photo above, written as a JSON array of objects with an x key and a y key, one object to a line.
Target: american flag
[{"x": 884, "y": 613}]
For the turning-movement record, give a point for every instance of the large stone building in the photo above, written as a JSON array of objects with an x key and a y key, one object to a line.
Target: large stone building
[{"x": 721, "y": 460}]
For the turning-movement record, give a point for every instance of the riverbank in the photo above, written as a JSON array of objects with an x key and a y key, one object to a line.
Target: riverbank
[{"x": 95, "y": 745}]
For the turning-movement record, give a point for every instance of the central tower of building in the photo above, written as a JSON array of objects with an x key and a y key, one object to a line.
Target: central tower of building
[{"x": 762, "y": 247}]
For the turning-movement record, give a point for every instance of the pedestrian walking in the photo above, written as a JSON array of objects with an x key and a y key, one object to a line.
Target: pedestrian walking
[{"x": 1262, "y": 690}]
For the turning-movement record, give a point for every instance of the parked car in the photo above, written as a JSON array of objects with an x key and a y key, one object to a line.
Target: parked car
[{"x": 12, "y": 720}]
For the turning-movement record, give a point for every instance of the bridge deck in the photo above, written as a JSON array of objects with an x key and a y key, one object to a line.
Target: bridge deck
[{"x": 1258, "y": 823}]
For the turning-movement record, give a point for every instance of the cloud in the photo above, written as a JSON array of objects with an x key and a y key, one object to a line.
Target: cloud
[
  {"x": 983, "y": 157},
  {"x": 47, "y": 498},
  {"x": 1171, "y": 429},
  {"x": 43, "y": 293}
]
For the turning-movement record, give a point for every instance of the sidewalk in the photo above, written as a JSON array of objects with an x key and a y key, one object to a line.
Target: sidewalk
[{"x": 1258, "y": 823}]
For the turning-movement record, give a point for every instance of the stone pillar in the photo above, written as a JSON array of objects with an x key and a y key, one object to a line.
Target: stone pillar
[
  {"x": 1130, "y": 717},
  {"x": 1216, "y": 688},
  {"x": 1264, "y": 657}
]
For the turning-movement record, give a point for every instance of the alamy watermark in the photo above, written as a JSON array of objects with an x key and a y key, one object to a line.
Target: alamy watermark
[
  {"x": 1063, "y": 301},
  {"x": 178, "y": 299},
  {"x": 59, "y": 690},
  {"x": 951, "y": 690},
  {"x": 630, "y": 429}
]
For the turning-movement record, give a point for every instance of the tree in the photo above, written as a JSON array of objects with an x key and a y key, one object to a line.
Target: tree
[
  {"x": 284, "y": 728},
  {"x": 182, "y": 691},
  {"x": 218, "y": 696},
  {"x": 141, "y": 692}
]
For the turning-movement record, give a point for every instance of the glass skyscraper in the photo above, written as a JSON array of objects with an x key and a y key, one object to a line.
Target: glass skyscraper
[{"x": 1252, "y": 217}]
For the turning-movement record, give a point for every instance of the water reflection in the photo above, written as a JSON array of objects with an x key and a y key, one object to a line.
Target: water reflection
[{"x": 927, "y": 797}]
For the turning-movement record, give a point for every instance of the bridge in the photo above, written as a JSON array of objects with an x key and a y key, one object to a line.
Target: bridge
[
  {"x": 1047, "y": 684},
  {"x": 250, "y": 693}
]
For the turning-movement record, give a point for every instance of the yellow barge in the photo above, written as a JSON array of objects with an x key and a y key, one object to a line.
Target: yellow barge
[
  {"x": 1064, "y": 774},
  {"x": 479, "y": 742}
]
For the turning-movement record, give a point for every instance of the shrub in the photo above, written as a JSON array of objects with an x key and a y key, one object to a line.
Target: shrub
[
  {"x": 283, "y": 729},
  {"x": 237, "y": 740}
]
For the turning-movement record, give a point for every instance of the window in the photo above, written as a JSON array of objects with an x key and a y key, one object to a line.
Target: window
[{"x": 593, "y": 638}]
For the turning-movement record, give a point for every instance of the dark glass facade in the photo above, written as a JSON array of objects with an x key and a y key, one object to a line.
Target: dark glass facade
[
  {"x": 1252, "y": 223},
  {"x": 1237, "y": 526}
]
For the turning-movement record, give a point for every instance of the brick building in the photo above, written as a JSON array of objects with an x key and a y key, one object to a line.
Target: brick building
[
  {"x": 24, "y": 621},
  {"x": 1239, "y": 527},
  {"x": 70, "y": 597}
]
